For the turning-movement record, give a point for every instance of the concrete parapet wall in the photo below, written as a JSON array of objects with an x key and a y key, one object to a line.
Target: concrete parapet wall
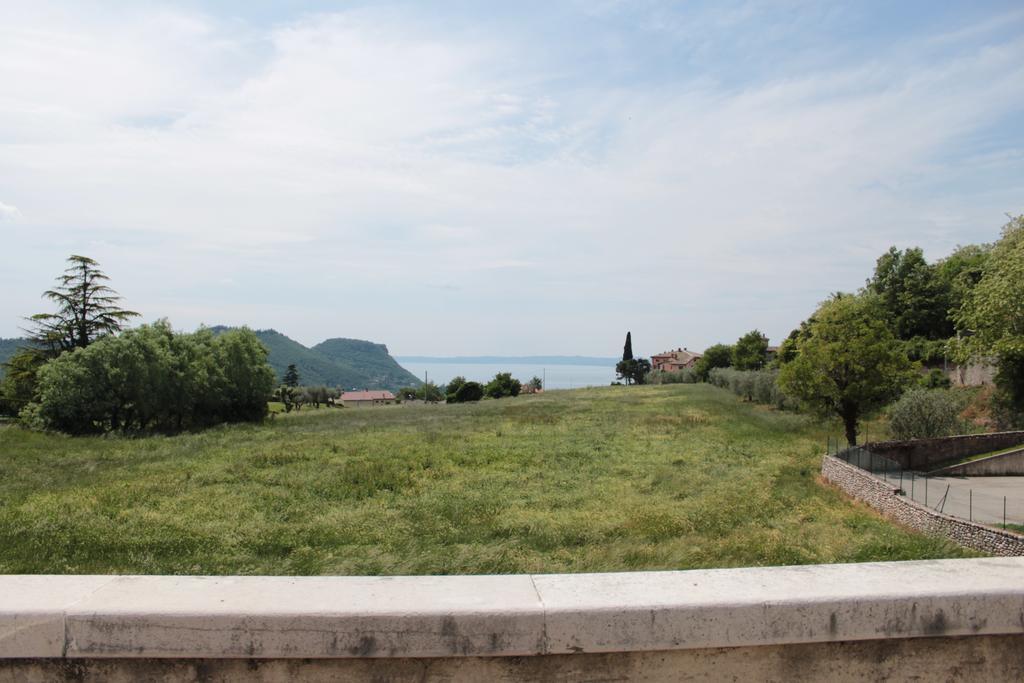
[
  {"x": 923, "y": 454},
  {"x": 1003, "y": 465},
  {"x": 846, "y": 622},
  {"x": 886, "y": 499}
]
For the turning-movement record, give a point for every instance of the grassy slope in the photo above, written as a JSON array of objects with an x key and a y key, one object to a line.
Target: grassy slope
[{"x": 590, "y": 480}]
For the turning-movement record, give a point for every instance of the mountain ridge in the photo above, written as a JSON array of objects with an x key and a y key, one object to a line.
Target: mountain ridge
[{"x": 554, "y": 360}]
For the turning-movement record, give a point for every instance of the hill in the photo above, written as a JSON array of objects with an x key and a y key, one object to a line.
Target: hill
[
  {"x": 345, "y": 363},
  {"x": 369, "y": 358},
  {"x": 7, "y": 349},
  {"x": 512, "y": 360}
]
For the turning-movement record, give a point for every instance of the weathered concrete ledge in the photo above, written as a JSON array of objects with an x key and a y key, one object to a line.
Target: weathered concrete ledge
[{"x": 280, "y": 618}]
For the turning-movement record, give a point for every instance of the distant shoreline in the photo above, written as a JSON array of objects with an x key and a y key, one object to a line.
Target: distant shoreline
[{"x": 512, "y": 360}]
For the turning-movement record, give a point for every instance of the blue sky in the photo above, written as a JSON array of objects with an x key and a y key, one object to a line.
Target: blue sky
[{"x": 508, "y": 178}]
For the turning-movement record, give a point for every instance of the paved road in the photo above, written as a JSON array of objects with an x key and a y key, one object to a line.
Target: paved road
[{"x": 977, "y": 498}]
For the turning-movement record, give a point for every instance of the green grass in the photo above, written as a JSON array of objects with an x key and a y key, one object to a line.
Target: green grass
[{"x": 608, "y": 479}]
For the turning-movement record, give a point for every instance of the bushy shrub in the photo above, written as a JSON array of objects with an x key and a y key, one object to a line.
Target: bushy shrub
[
  {"x": 467, "y": 392},
  {"x": 935, "y": 379},
  {"x": 760, "y": 386},
  {"x": 925, "y": 413},
  {"x": 684, "y": 376},
  {"x": 150, "y": 379},
  {"x": 503, "y": 385}
]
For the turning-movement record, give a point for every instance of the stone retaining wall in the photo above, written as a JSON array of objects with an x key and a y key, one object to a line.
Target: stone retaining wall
[
  {"x": 923, "y": 454},
  {"x": 884, "y": 497}
]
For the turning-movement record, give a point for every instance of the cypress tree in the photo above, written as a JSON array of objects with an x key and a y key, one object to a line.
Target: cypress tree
[{"x": 627, "y": 350}]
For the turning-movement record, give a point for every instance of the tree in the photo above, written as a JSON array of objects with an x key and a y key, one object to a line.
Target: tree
[
  {"x": 467, "y": 392},
  {"x": 408, "y": 394},
  {"x": 503, "y": 385},
  {"x": 627, "y": 349},
  {"x": 849, "y": 363},
  {"x": 87, "y": 309},
  {"x": 992, "y": 317},
  {"x": 634, "y": 371},
  {"x": 286, "y": 395},
  {"x": 916, "y": 299},
  {"x": 291, "y": 376},
  {"x": 430, "y": 392},
  {"x": 962, "y": 271},
  {"x": 536, "y": 383},
  {"x": 150, "y": 379},
  {"x": 750, "y": 351},
  {"x": 18, "y": 386},
  {"x": 452, "y": 388},
  {"x": 716, "y": 356}
]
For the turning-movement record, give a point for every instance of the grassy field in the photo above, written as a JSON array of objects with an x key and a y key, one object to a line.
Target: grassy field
[{"x": 607, "y": 479}]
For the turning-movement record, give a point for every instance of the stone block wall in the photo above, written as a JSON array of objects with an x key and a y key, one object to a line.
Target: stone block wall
[
  {"x": 920, "y": 454},
  {"x": 886, "y": 499}
]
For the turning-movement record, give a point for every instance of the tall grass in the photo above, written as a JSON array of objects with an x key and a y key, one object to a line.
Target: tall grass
[{"x": 616, "y": 478}]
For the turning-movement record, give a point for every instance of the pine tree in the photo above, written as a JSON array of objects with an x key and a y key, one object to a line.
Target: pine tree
[
  {"x": 86, "y": 309},
  {"x": 627, "y": 350},
  {"x": 291, "y": 376}
]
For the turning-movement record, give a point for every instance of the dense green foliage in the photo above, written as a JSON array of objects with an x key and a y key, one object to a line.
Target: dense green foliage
[
  {"x": 18, "y": 386},
  {"x": 993, "y": 314},
  {"x": 684, "y": 376},
  {"x": 633, "y": 371},
  {"x": 87, "y": 309},
  {"x": 925, "y": 413},
  {"x": 913, "y": 295},
  {"x": 760, "y": 386},
  {"x": 8, "y": 347},
  {"x": 715, "y": 356},
  {"x": 345, "y": 363},
  {"x": 750, "y": 351},
  {"x": 467, "y": 392},
  {"x": 503, "y": 385},
  {"x": 150, "y": 379},
  {"x": 669, "y": 477},
  {"x": 849, "y": 363},
  {"x": 424, "y": 392}
]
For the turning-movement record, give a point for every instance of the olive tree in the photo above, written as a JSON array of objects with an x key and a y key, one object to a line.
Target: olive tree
[{"x": 848, "y": 364}]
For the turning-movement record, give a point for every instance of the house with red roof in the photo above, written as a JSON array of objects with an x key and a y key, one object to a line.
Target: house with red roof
[
  {"x": 357, "y": 399},
  {"x": 671, "y": 361}
]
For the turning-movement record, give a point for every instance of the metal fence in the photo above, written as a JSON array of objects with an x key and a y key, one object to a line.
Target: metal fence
[{"x": 998, "y": 501}]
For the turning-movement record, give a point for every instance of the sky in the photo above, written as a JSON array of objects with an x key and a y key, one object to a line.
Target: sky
[{"x": 466, "y": 178}]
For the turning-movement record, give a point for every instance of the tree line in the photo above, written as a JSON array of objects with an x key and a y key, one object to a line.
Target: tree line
[
  {"x": 80, "y": 373},
  {"x": 859, "y": 352},
  {"x": 460, "y": 390}
]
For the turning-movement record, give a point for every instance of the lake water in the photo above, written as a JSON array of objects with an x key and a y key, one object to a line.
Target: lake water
[{"x": 557, "y": 376}]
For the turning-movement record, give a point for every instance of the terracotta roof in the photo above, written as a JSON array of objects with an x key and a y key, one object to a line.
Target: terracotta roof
[{"x": 367, "y": 396}]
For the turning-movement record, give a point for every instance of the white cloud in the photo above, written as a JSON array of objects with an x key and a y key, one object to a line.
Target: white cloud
[
  {"x": 202, "y": 153},
  {"x": 8, "y": 212}
]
